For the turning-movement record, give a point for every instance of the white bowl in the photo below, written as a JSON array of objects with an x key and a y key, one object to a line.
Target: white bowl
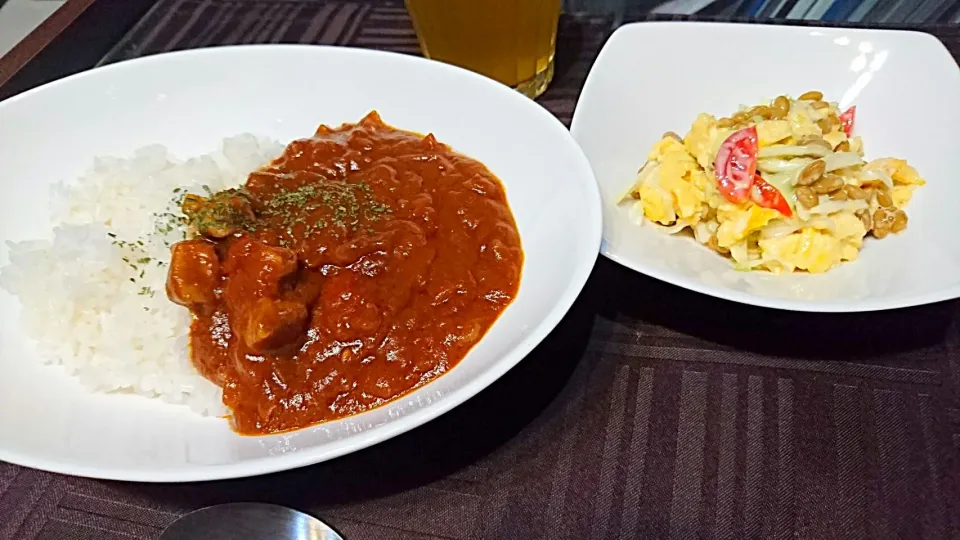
[
  {"x": 656, "y": 77},
  {"x": 189, "y": 101}
]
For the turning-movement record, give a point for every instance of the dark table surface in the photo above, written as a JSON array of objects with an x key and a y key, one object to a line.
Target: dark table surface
[{"x": 651, "y": 412}]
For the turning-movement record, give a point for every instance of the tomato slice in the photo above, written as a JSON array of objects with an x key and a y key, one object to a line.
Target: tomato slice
[
  {"x": 767, "y": 196},
  {"x": 847, "y": 119},
  {"x": 736, "y": 164}
]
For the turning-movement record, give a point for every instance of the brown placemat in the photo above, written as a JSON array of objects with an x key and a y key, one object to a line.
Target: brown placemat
[{"x": 651, "y": 412}]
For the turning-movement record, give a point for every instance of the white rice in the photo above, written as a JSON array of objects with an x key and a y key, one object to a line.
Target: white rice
[{"x": 91, "y": 311}]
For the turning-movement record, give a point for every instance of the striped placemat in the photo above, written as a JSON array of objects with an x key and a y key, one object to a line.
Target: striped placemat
[{"x": 651, "y": 412}]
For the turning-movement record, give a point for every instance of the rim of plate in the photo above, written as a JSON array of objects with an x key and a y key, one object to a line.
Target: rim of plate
[
  {"x": 806, "y": 306},
  {"x": 592, "y": 221}
]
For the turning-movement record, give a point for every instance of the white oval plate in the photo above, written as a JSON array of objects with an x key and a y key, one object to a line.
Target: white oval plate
[
  {"x": 191, "y": 100},
  {"x": 656, "y": 77}
]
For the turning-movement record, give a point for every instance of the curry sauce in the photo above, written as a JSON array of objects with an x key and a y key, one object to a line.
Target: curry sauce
[{"x": 361, "y": 264}]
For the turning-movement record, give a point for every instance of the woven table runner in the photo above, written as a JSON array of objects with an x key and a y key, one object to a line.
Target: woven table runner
[{"x": 638, "y": 417}]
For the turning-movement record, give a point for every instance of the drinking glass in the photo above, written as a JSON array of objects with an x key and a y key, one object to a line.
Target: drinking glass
[{"x": 512, "y": 41}]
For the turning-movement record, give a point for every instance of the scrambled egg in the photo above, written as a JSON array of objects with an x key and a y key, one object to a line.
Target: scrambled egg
[
  {"x": 677, "y": 192},
  {"x": 738, "y": 223},
  {"x": 815, "y": 250},
  {"x": 701, "y": 139},
  {"x": 677, "y": 189}
]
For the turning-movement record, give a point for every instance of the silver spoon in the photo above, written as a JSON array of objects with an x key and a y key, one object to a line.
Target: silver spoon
[{"x": 251, "y": 521}]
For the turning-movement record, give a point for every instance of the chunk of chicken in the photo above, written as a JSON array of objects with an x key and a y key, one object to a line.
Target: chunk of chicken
[
  {"x": 270, "y": 324},
  {"x": 256, "y": 269},
  {"x": 194, "y": 274},
  {"x": 260, "y": 290}
]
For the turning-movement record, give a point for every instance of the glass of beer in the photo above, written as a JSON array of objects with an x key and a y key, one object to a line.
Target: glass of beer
[{"x": 512, "y": 41}]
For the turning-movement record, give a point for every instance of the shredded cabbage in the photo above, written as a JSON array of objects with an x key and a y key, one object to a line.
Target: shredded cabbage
[
  {"x": 744, "y": 259},
  {"x": 828, "y": 207},
  {"x": 777, "y": 165},
  {"x": 788, "y": 226},
  {"x": 669, "y": 229},
  {"x": 780, "y": 228},
  {"x": 777, "y": 150},
  {"x": 642, "y": 175},
  {"x": 842, "y": 160},
  {"x": 874, "y": 174},
  {"x": 785, "y": 183},
  {"x": 636, "y": 213},
  {"x": 702, "y": 232},
  {"x": 740, "y": 254}
]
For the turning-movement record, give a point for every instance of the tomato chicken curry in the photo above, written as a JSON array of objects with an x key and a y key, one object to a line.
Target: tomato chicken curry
[{"x": 361, "y": 264}]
